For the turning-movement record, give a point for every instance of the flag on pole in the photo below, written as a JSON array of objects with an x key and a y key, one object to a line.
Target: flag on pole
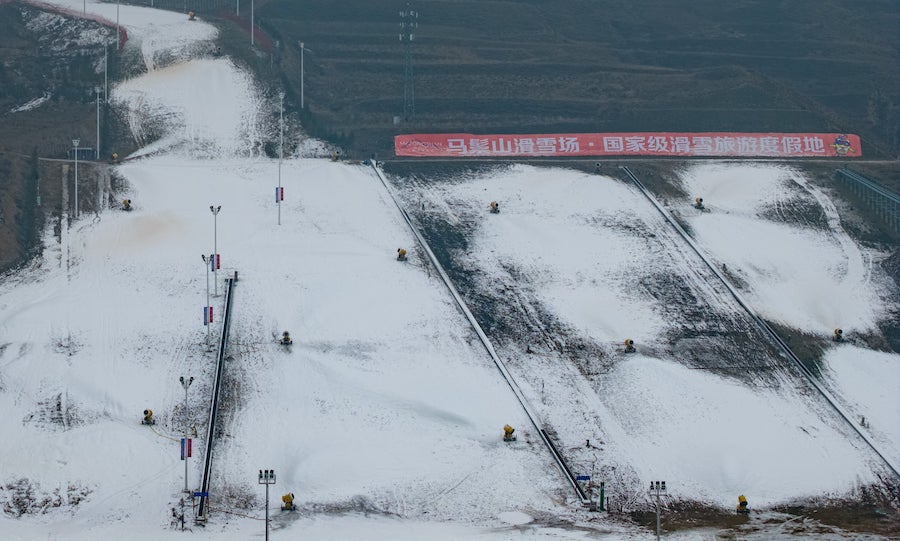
[
  {"x": 212, "y": 262},
  {"x": 210, "y": 314},
  {"x": 279, "y": 193},
  {"x": 205, "y": 315},
  {"x": 218, "y": 265},
  {"x": 185, "y": 448}
]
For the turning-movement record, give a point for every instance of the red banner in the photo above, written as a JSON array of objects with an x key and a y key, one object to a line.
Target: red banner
[{"x": 749, "y": 145}]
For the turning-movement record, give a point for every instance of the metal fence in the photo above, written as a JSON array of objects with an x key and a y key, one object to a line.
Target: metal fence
[{"x": 879, "y": 200}]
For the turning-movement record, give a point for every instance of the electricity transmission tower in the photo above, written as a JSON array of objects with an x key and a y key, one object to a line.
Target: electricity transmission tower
[{"x": 408, "y": 24}]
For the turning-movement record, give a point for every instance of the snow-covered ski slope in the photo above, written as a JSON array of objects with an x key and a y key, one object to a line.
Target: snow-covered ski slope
[
  {"x": 584, "y": 261},
  {"x": 385, "y": 417}
]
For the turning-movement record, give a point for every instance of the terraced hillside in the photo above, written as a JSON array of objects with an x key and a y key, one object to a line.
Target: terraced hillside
[{"x": 529, "y": 66}]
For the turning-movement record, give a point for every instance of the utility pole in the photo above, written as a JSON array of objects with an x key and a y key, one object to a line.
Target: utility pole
[
  {"x": 280, "y": 156},
  {"x": 105, "y": 70},
  {"x": 408, "y": 24},
  {"x": 75, "y": 143},
  {"x": 252, "y": 29},
  {"x": 301, "y": 74},
  {"x": 97, "y": 90}
]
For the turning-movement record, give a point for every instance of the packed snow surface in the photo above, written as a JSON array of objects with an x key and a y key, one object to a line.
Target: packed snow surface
[{"x": 385, "y": 416}]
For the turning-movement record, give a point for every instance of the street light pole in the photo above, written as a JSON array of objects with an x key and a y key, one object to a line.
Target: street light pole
[
  {"x": 301, "y": 74},
  {"x": 97, "y": 90},
  {"x": 252, "y": 30},
  {"x": 186, "y": 382},
  {"x": 657, "y": 488},
  {"x": 105, "y": 70},
  {"x": 215, "y": 211},
  {"x": 280, "y": 156},
  {"x": 75, "y": 143},
  {"x": 267, "y": 477},
  {"x": 208, "y": 324},
  {"x": 118, "y": 32}
]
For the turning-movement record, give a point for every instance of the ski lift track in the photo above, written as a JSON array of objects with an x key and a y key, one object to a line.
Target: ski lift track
[
  {"x": 214, "y": 403},
  {"x": 762, "y": 324},
  {"x": 529, "y": 411}
]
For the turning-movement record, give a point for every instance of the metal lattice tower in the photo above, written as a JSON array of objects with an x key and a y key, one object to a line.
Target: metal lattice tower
[{"x": 408, "y": 24}]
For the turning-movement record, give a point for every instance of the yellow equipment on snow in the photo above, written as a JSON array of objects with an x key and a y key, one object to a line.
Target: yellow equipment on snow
[
  {"x": 115, "y": 157},
  {"x": 191, "y": 16},
  {"x": 401, "y": 254},
  {"x": 838, "y": 335},
  {"x": 698, "y": 203},
  {"x": 126, "y": 204},
  {"x": 508, "y": 433},
  {"x": 288, "y": 500},
  {"x": 495, "y": 207},
  {"x": 148, "y": 417},
  {"x": 629, "y": 345},
  {"x": 742, "y": 505}
]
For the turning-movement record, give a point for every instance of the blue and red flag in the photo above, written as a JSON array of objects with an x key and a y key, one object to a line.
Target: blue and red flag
[
  {"x": 279, "y": 193},
  {"x": 185, "y": 448}
]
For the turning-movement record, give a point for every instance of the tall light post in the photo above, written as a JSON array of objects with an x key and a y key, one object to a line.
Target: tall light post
[
  {"x": 186, "y": 382},
  {"x": 215, "y": 264},
  {"x": 280, "y": 155},
  {"x": 252, "y": 29},
  {"x": 267, "y": 477},
  {"x": 118, "y": 32},
  {"x": 105, "y": 70},
  {"x": 75, "y": 143},
  {"x": 206, "y": 321},
  {"x": 97, "y": 90},
  {"x": 302, "y": 49},
  {"x": 657, "y": 488}
]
